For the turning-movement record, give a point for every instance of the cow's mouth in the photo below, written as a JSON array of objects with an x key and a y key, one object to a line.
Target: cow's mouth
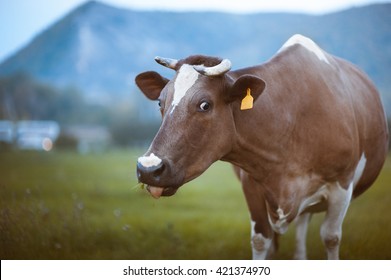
[{"x": 157, "y": 192}]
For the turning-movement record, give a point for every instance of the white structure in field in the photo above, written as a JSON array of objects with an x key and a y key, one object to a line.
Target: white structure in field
[{"x": 30, "y": 135}]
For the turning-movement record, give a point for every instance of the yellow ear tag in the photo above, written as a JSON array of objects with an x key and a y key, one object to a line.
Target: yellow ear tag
[{"x": 247, "y": 101}]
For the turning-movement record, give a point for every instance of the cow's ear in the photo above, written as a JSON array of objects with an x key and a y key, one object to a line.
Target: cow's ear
[
  {"x": 151, "y": 84},
  {"x": 239, "y": 89}
]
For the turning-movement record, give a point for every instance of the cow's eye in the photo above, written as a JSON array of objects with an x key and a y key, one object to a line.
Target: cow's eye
[
  {"x": 204, "y": 106},
  {"x": 159, "y": 103}
]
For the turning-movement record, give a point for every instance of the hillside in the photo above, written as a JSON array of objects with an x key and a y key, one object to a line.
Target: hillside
[{"x": 100, "y": 49}]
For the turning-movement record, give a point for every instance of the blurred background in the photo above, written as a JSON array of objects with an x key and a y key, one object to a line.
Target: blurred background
[{"x": 72, "y": 122}]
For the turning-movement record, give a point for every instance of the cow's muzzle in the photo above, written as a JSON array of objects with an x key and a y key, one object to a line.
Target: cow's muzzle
[
  {"x": 150, "y": 175},
  {"x": 160, "y": 178}
]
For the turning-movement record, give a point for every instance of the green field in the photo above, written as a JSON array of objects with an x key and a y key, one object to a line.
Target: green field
[{"x": 62, "y": 205}]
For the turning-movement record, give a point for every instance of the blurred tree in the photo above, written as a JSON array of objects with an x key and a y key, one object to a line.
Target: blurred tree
[{"x": 23, "y": 98}]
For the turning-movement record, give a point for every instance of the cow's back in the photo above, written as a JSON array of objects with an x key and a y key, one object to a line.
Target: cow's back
[{"x": 352, "y": 100}]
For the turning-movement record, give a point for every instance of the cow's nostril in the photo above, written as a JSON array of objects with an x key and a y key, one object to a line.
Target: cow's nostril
[{"x": 159, "y": 170}]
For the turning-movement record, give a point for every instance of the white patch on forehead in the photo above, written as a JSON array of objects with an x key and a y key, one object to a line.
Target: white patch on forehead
[
  {"x": 185, "y": 79},
  {"x": 149, "y": 161},
  {"x": 308, "y": 44}
]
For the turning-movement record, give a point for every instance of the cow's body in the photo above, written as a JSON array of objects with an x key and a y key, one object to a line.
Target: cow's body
[{"x": 315, "y": 138}]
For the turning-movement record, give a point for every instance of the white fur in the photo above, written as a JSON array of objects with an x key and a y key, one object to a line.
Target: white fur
[
  {"x": 281, "y": 225},
  {"x": 331, "y": 229},
  {"x": 318, "y": 196},
  {"x": 149, "y": 161},
  {"x": 301, "y": 222},
  {"x": 308, "y": 44},
  {"x": 187, "y": 77},
  {"x": 338, "y": 200},
  {"x": 359, "y": 170},
  {"x": 260, "y": 244}
]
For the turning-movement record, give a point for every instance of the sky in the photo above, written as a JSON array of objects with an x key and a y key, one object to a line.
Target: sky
[{"x": 21, "y": 20}]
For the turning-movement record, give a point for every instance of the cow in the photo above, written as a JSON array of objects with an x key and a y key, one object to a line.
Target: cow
[{"x": 305, "y": 131}]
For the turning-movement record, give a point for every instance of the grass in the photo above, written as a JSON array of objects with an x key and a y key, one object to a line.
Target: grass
[{"x": 62, "y": 205}]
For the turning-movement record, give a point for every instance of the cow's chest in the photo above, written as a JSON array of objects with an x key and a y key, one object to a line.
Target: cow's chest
[
  {"x": 289, "y": 197},
  {"x": 293, "y": 204}
]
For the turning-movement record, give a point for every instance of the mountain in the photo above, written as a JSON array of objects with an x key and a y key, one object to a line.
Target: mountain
[{"x": 100, "y": 49}]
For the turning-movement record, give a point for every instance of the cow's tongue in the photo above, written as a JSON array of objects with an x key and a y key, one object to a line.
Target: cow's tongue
[{"x": 156, "y": 192}]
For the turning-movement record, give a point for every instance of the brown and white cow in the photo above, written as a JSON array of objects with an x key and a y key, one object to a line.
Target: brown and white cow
[{"x": 315, "y": 138}]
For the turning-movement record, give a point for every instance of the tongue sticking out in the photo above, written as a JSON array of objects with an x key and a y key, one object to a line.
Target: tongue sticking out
[{"x": 155, "y": 191}]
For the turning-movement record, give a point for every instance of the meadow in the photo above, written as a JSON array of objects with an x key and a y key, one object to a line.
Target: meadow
[{"x": 63, "y": 205}]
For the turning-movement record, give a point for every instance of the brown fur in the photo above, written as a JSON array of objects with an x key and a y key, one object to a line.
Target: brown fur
[{"x": 310, "y": 125}]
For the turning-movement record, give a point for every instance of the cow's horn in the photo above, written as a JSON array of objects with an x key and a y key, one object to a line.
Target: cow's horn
[
  {"x": 167, "y": 62},
  {"x": 223, "y": 67}
]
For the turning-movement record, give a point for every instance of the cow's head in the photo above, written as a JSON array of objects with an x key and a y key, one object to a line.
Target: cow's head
[{"x": 198, "y": 126}]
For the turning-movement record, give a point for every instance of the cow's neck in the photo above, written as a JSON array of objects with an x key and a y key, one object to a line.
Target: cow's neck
[
  {"x": 254, "y": 150},
  {"x": 262, "y": 132},
  {"x": 254, "y": 155}
]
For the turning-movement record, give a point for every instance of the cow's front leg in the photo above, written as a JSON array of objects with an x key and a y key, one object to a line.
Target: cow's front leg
[
  {"x": 301, "y": 222},
  {"x": 261, "y": 245},
  {"x": 261, "y": 232},
  {"x": 331, "y": 229}
]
